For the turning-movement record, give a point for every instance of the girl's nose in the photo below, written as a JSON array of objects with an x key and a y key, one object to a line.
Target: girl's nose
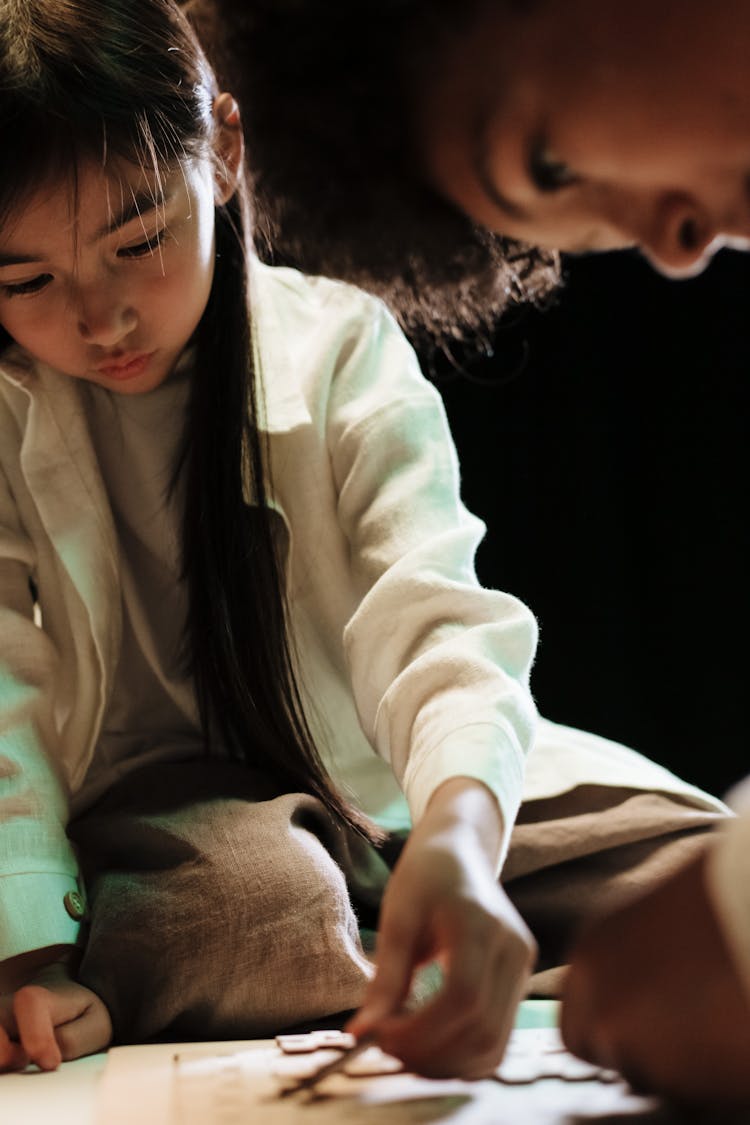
[
  {"x": 680, "y": 240},
  {"x": 106, "y": 322}
]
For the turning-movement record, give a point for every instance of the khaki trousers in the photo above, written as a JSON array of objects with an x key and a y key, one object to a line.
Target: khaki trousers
[{"x": 221, "y": 909}]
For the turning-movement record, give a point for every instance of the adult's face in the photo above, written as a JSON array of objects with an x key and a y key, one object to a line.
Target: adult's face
[{"x": 595, "y": 124}]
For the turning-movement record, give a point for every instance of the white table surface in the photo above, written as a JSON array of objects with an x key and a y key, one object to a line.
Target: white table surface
[{"x": 69, "y": 1096}]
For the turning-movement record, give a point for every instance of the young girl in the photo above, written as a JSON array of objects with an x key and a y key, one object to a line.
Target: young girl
[{"x": 234, "y": 566}]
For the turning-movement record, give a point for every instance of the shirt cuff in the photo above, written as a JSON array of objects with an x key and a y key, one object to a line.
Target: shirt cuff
[
  {"x": 481, "y": 752},
  {"x": 38, "y": 910}
]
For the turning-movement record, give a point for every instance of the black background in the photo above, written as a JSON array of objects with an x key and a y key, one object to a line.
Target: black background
[{"x": 605, "y": 445}]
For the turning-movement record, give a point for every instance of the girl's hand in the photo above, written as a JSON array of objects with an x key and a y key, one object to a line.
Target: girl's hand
[
  {"x": 443, "y": 903},
  {"x": 50, "y": 1020}
]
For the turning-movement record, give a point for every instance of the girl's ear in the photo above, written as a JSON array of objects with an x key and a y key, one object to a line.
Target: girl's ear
[{"x": 229, "y": 148}]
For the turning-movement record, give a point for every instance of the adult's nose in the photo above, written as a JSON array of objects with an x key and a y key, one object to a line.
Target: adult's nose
[{"x": 681, "y": 236}]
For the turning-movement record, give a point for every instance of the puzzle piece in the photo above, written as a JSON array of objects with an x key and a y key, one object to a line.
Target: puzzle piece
[
  {"x": 304, "y": 1056},
  {"x": 304, "y": 1044},
  {"x": 371, "y": 1062},
  {"x": 533, "y": 1055}
]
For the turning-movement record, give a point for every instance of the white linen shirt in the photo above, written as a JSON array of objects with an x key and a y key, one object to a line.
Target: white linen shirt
[
  {"x": 412, "y": 671},
  {"x": 416, "y": 673}
]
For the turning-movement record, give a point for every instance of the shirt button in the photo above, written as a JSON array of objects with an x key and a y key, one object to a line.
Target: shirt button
[{"x": 73, "y": 903}]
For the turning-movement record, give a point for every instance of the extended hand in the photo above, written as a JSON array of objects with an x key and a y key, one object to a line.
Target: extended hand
[
  {"x": 653, "y": 992},
  {"x": 443, "y": 903},
  {"x": 50, "y": 1020}
]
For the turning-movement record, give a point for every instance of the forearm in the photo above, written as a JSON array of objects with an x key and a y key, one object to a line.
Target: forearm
[{"x": 466, "y": 810}]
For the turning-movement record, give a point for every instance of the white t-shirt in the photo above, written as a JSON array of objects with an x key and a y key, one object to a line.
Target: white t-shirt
[{"x": 152, "y": 714}]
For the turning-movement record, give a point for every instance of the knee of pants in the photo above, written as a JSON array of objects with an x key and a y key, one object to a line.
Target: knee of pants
[{"x": 253, "y": 933}]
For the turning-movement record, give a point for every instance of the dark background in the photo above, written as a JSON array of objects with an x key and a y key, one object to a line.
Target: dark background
[{"x": 605, "y": 445}]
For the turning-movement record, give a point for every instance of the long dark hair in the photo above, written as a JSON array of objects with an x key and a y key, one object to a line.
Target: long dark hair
[{"x": 126, "y": 81}]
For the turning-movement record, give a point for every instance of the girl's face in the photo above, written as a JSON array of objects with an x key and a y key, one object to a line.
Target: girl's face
[
  {"x": 596, "y": 124},
  {"x": 110, "y": 286}
]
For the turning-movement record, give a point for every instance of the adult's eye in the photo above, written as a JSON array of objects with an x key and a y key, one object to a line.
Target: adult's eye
[{"x": 546, "y": 172}]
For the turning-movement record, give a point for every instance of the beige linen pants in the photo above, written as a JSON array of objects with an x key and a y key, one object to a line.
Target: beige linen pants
[{"x": 221, "y": 909}]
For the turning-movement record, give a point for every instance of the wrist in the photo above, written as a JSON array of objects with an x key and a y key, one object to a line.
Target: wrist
[
  {"x": 468, "y": 807},
  {"x": 24, "y": 967}
]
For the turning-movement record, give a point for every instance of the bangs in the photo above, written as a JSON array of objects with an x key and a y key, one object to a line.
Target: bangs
[
  {"x": 87, "y": 84},
  {"x": 50, "y": 151}
]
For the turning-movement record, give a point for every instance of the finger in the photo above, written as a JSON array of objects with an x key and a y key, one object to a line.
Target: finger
[
  {"x": 396, "y": 962},
  {"x": 89, "y": 1032},
  {"x": 33, "y": 1007},
  {"x": 455, "y": 1026},
  {"x": 509, "y": 990},
  {"x": 12, "y": 1054},
  {"x": 463, "y": 1033}
]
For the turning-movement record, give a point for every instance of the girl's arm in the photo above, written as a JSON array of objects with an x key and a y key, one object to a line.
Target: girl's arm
[
  {"x": 383, "y": 551},
  {"x": 440, "y": 672},
  {"x": 40, "y": 903},
  {"x": 40, "y": 907},
  {"x": 439, "y": 665}
]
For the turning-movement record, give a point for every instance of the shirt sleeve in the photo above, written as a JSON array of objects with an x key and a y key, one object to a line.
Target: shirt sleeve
[
  {"x": 439, "y": 666},
  {"x": 729, "y": 880},
  {"x": 40, "y": 903}
]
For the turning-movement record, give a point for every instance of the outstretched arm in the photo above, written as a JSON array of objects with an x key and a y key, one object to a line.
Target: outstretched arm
[{"x": 444, "y": 903}]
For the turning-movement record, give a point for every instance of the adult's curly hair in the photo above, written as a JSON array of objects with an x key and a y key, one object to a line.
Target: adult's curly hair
[{"x": 322, "y": 88}]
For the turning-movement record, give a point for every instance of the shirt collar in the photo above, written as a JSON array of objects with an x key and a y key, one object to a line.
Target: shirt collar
[{"x": 281, "y": 407}]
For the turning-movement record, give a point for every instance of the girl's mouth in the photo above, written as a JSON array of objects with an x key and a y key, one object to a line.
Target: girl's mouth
[{"x": 125, "y": 366}]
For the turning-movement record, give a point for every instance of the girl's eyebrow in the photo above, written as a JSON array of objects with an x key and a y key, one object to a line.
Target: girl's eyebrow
[
  {"x": 139, "y": 206},
  {"x": 18, "y": 259}
]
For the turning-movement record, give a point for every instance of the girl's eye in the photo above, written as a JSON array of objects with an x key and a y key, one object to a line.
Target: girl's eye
[
  {"x": 546, "y": 172},
  {"x": 143, "y": 249},
  {"x": 33, "y": 285}
]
